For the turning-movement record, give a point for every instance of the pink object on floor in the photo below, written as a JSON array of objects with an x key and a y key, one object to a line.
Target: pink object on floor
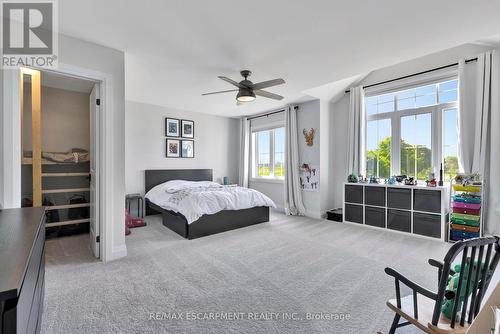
[{"x": 132, "y": 222}]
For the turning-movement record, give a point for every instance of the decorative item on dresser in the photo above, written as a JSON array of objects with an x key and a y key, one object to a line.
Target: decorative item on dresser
[
  {"x": 22, "y": 259},
  {"x": 412, "y": 209}
]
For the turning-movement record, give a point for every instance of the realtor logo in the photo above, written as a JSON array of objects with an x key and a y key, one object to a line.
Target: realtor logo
[{"x": 29, "y": 33}]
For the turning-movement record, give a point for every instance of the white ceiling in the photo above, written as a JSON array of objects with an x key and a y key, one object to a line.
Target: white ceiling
[{"x": 176, "y": 49}]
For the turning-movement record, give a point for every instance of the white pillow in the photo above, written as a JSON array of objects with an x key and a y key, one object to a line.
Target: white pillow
[{"x": 176, "y": 185}]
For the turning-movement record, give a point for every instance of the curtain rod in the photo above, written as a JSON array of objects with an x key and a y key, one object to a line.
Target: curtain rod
[
  {"x": 269, "y": 113},
  {"x": 414, "y": 74}
]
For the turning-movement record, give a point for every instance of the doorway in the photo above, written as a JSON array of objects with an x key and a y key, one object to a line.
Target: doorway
[{"x": 60, "y": 152}]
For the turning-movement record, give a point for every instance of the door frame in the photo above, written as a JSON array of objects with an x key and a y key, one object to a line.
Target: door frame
[{"x": 12, "y": 147}]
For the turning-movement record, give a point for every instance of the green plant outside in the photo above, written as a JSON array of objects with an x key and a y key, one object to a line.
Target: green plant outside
[{"x": 382, "y": 156}]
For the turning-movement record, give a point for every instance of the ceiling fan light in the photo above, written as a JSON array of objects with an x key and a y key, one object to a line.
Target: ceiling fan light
[{"x": 245, "y": 95}]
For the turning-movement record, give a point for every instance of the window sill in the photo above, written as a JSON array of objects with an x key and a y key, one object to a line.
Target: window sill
[{"x": 267, "y": 180}]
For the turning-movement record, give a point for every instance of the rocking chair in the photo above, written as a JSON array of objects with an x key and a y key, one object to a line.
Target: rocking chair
[{"x": 425, "y": 312}]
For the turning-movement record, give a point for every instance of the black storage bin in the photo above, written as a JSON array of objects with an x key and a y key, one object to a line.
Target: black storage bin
[
  {"x": 374, "y": 216},
  {"x": 354, "y": 213},
  {"x": 399, "y": 220},
  {"x": 427, "y": 200},
  {"x": 427, "y": 224},
  {"x": 399, "y": 198},
  {"x": 334, "y": 214},
  {"x": 375, "y": 195},
  {"x": 354, "y": 194}
]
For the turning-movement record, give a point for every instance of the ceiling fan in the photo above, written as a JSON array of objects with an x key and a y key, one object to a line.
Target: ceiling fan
[{"x": 247, "y": 90}]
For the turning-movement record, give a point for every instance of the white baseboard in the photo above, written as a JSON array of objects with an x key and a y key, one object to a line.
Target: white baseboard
[
  {"x": 118, "y": 252},
  {"x": 280, "y": 210},
  {"x": 313, "y": 214}
]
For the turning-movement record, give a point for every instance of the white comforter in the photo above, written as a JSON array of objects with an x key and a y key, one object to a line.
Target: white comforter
[{"x": 194, "y": 199}]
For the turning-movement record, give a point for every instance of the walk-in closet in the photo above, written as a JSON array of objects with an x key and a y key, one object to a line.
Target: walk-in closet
[{"x": 57, "y": 149}]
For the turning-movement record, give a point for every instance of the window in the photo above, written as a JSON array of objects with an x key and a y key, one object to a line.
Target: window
[
  {"x": 378, "y": 147},
  {"x": 279, "y": 152},
  {"x": 269, "y": 153},
  {"x": 413, "y": 131},
  {"x": 416, "y": 147}
]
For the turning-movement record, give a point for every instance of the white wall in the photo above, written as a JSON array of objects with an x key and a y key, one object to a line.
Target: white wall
[
  {"x": 65, "y": 120},
  {"x": 216, "y": 143},
  {"x": 339, "y": 120},
  {"x": 308, "y": 117}
]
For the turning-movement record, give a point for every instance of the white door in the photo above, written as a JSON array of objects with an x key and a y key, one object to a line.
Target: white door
[{"x": 94, "y": 170}]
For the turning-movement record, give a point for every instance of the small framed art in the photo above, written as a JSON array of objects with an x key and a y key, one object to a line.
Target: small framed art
[
  {"x": 173, "y": 148},
  {"x": 172, "y": 127},
  {"x": 187, "y": 128},
  {"x": 187, "y": 150}
]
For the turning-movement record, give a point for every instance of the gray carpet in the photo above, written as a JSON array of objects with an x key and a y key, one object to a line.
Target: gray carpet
[{"x": 291, "y": 266}]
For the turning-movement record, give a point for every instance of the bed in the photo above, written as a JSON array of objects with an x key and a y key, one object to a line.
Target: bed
[{"x": 209, "y": 224}]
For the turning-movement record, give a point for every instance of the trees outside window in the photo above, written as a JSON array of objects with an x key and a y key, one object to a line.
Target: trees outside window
[{"x": 413, "y": 131}]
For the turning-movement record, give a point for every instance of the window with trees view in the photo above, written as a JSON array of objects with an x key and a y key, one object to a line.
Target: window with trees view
[
  {"x": 269, "y": 153},
  {"x": 413, "y": 131}
]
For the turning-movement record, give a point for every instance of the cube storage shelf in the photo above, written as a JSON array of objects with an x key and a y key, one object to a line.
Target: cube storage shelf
[
  {"x": 415, "y": 210},
  {"x": 466, "y": 212}
]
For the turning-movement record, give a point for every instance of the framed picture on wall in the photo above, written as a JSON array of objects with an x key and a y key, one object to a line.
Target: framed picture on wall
[
  {"x": 173, "y": 148},
  {"x": 187, "y": 150},
  {"x": 187, "y": 128},
  {"x": 172, "y": 127}
]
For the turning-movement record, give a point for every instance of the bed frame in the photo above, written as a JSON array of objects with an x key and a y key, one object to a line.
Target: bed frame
[{"x": 207, "y": 224}]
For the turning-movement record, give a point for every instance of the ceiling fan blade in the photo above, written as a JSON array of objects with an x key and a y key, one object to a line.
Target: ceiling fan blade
[
  {"x": 232, "y": 82},
  {"x": 268, "y": 94},
  {"x": 222, "y": 91},
  {"x": 269, "y": 83}
]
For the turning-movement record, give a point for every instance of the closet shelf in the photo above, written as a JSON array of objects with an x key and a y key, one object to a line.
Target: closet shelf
[
  {"x": 64, "y": 174},
  {"x": 68, "y": 222},
  {"x": 69, "y": 190},
  {"x": 67, "y": 206},
  {"x": 29, "y": 161}
]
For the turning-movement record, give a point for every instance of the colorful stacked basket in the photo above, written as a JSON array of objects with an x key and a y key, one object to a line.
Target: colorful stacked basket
[{"x": 465, "y": 222}]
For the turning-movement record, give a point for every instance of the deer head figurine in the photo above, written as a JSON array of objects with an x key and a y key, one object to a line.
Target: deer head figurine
[{"x": 309, "y": 136}]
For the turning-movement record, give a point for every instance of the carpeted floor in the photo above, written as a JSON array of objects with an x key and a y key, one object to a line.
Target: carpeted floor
[{"x": 263, "y": 279}]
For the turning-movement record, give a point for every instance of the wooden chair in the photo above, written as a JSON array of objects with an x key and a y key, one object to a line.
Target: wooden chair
[{"x": 424, "y": 312}]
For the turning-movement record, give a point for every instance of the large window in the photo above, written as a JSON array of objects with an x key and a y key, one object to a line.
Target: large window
[
  {"x": 413, "y": 131},
  {"x": 269, "y": 153}
]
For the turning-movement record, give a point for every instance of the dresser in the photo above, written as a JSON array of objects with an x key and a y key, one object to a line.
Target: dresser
[
  {"x": 416, "y": 210},
  {"x": 22, "y": 269}
]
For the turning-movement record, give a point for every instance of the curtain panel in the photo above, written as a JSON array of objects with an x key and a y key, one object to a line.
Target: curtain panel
[
  {"x": 356, "y": 132},
  {"x": 244, "y": 159},
  {"x": 293, "y": 192}
]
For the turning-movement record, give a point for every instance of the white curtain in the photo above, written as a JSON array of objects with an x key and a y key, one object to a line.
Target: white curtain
[
  {"x": 486, "y": 159},
  {"x": 293, "y": 193},
  {"x": 467, "y": 79},
  {"x": 356, "y": 132},
  {"x": 244, "y": 152}
]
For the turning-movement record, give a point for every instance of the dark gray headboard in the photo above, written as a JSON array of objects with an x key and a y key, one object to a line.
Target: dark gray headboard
[{"x": 155, "y": 177}]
